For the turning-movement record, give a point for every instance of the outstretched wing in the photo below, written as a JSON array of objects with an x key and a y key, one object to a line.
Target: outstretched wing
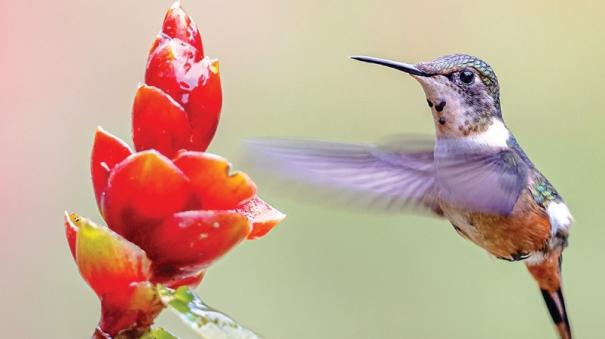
[
  {"x": 480, "y": 179},
  {"x": 397, "y": 176}
]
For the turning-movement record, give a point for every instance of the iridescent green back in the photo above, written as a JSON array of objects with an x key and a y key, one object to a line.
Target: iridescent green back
[{"x": 542, "y": 191}]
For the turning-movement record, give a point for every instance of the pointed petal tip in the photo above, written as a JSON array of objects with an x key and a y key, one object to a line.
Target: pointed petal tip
[
  {"x": 214, "y": 66},
  {"x": 67, "y": 215},
  {"x": 179, "y": 25},
  {"x": 71, "y": 232},
  {"x": 263, "y": 216},
  {"x": 265, "y": 222}
]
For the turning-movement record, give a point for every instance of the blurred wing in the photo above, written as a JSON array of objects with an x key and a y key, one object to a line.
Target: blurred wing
[
  {"x": 482, "y": 180},
  {"x": 391, "y": 177}
]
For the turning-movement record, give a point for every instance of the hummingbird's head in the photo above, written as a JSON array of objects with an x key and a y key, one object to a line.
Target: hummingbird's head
[{"x": 461, "y": 90}]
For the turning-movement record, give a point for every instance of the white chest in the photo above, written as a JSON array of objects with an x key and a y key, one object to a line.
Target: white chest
[{"x": 559, "y": 216}]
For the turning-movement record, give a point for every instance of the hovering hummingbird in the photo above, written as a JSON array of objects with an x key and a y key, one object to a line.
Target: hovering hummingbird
[{"x": 473, "y": 174}]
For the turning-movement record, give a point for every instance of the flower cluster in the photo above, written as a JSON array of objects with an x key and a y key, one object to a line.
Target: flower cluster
[{"x": 171, "y": 208}]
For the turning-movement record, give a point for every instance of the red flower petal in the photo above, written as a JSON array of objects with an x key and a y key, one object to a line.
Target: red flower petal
[
  {"x": 159, "y": 122},
  {"x": 215, "y": 187},
  {"x": 192, "y": 240},
  {"x": 205, "y": 105},
  {"x": 178, "y": 25},
  {"x": 262, "y": 216},
  {"x": 108, "y": 262},
  {"x": 144, "y": 189},
  {"x": 107, "y": 152},
  {"x": 71, "y": 232},
  {"x": 172, "y": 68}
]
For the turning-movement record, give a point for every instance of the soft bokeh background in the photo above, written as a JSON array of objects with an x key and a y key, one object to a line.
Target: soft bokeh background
[{"x": 68, "y": 66}]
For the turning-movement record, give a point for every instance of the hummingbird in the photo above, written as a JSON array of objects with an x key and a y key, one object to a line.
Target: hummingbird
[{"x": 472, "y": 173}]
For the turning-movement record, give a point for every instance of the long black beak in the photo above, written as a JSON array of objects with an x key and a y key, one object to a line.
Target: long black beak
[{"x": 410, "y": 69}]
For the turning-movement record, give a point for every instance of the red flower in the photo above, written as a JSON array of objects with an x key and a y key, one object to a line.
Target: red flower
[
  {"x": 182, "y": 207},
  {"x": 171, "y": 209},
  {"x": 184, "y": 213},
  {"x": 183, "y": 88}
]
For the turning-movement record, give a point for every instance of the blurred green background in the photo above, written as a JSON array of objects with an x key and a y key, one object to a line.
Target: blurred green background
[{"x": 68, "y": 66}]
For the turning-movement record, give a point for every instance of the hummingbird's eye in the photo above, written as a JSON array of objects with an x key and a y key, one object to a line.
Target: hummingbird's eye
[{"x": 467, "y": 76}]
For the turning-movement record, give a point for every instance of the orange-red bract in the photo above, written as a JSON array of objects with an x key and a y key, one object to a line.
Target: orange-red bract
[
  {"x": 107, "y": 152},
  {"x": 107, "y": 261},
  {"x": 159, "y": 122},
  {"x": 212, "y": 182},
  {"x": 117, "y": 270},
  {"x": 142, "y": 190},
  {"x": 205, "y": 104},
  {"x": 192, "y": 240}
]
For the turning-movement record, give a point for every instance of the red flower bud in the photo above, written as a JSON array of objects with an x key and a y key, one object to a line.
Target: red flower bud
[{"x": 176, "y": 65}]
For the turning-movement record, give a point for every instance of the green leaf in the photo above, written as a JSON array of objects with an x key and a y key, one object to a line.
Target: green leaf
[
  {"x": 157, "y": 333},
  {"x": 205, "y": 321}
]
